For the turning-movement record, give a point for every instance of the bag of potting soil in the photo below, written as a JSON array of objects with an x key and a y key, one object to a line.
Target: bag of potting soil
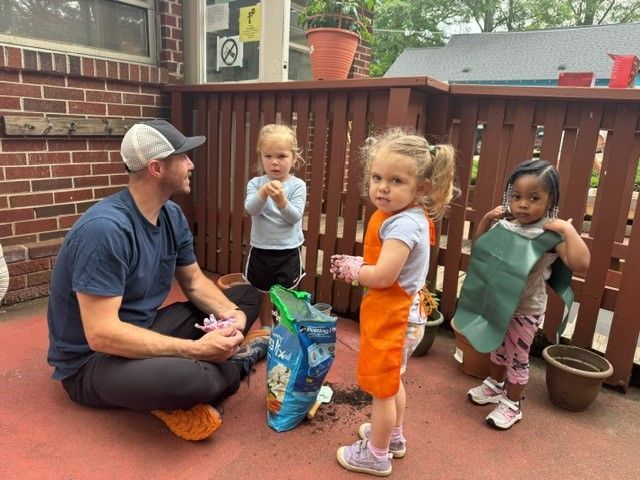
[{"x": 301, "y": 351}]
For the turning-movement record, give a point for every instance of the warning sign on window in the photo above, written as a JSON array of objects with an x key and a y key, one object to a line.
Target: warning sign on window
[
  {"x": 229, "y": 52},
  {"x": 250, "y": 20}
]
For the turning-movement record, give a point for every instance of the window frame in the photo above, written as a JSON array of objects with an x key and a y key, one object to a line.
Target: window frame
[{"x": 68, "y": 48}]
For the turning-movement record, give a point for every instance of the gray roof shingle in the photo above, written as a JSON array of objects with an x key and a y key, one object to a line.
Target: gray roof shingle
[{"x": 529, "y": 55}]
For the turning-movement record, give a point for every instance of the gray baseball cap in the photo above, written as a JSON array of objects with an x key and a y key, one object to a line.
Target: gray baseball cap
[{"x": 154, "y": 140}]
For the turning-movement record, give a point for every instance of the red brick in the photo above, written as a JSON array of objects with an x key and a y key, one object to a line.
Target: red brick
[
  {"x": 30, "y": 200},
  {"x": 55, "y": 210},
  {"x": 63, "y": 93},
  {"x": 66, "y": 144},
  {"x": 53, "y": 235},
  {"x": 87, "y": 108},
  {"x": 14, "y": 57},
  {"x": 2, "y": 63},
  {"x": 169, "y": 20},
  {"x": 17, "y": 214},
  {"x": 115, "y": 157},
  {"x": 51, "y": 184},
  {"x": 43, "y": 158},
  {"x": 9, "y": 75},
  {"x": 42, "y": 79},
  {"x": 26, "y": 294},
  {"x": 10, "y": 103},
  {"x": 117, "y": 86},
  {"x": 144, "y": 73},
  {"x": 134, "y": 73},
  {"x": 23, "y": 145},
  {"x": 13, "y": 159},
  {"x": 123, "y": 71},
  {"x": 4, "y": 202},
  {"x": 91, "y": 181},
  {"x": 162, "y": 100},
  {"x": 47, "y": 106},
  {"x": 16, "y": 283},
  {"x": 60, "y": 63},
  {"x": 105, "y": 192},
  {"x": 73, "y": 196},
  {"x": 72, "y": 170},
  {"x": 18, "y": 240},
  {"x": 44, "y": 249},
  {"x": 39, "y": 278},
  {"x": 90, "y": 157},
  {"x": 16, "y": 173},
  {"x": 121, "y": 179},
  {"x": 35, "y": 226},
  {"x": 91, "y": 83},
  {"x": 102, "y": 168},
  {"x": 124, "y": 110},
  {"x": 87, "y": 67},
  {"x": 29, "y": 266},
  {"x": 106, "y": 97},
  {"x": 112, "y": 69},
  {"x": 176, "y": 9},
  {"x": 138, "y": 99},
  {"x": 104, "y": 143},
  {"x": 67, "y": 221},
  {"x": 20, "y": 90},
  {"x": 20, "y": 186},
  {"x": 6, "y": 230},
  {"x": 101, "y": 68},
  {"x": 17, "y": 253}
]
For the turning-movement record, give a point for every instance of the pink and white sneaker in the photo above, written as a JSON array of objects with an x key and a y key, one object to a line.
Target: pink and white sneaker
[{"x": 505, "y": 414}]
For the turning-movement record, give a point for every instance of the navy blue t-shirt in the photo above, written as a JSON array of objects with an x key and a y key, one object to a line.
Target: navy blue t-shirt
[{"x": 112, "y": 251}]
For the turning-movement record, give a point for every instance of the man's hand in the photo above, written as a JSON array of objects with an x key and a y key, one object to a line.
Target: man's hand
[
  {"x": 238, "y": 316},
  {"x": 219, "y": 345}
]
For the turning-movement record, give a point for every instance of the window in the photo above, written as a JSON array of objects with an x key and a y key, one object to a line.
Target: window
[
  {"x": 299, "y": 62},
  {"x": 228, "y": 58},
  {"x": 122, "y": 29}
]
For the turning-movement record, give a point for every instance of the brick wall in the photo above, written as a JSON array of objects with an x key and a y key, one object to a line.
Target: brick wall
[
  {"x": 47, "y": 183},
  {"x": 361, "y": 62}
]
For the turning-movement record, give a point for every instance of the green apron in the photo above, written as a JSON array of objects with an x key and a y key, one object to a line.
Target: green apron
[{"x": 499, "y": 265}]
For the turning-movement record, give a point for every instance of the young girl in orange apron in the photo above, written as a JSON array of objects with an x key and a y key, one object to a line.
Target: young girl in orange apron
[{"x": 406, "y": 177}]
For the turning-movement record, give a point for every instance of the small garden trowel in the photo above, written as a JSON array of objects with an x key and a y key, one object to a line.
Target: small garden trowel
[{"x": 324, "y": 396}]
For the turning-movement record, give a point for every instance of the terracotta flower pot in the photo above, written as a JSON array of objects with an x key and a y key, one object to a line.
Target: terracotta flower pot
[
  {"x": 430, "y": 330},
  {"x": 574, "y": 375},
  {"x": 332, "y": 52},
  {"x": 231, "y": 280},
  {"x": 470, "y": 360}
]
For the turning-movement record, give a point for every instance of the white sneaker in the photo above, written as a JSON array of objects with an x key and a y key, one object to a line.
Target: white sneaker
[
  {"x": 505, "y": 414},
  {"x": 486, "y": 392}
]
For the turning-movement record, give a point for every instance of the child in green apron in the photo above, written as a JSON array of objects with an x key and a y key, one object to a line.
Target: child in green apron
[{"x": 530, "y": 208}]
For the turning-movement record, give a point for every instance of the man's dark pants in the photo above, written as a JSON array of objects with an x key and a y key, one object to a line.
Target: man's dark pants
[{"x": 166, "y": 383}]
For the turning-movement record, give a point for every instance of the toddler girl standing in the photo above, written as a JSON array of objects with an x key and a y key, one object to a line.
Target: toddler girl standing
[
  {"x": 406, "y": 178},
  {"x": 530, "y": 207},
  {"x": 275, "y": 201}
]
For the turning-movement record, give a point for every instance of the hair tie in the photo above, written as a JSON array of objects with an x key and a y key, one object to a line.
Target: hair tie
[{"x": 432, "y": 149}]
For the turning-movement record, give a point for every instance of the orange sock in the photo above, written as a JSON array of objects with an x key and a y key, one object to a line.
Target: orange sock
[{"x": 197, "y": 423}]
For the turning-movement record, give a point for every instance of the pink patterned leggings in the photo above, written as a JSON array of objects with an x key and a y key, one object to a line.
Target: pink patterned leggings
[{"x": 514, "y": 351}]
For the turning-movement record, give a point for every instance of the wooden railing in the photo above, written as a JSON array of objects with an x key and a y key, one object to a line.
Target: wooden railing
[{"x": 334, "y": 118}]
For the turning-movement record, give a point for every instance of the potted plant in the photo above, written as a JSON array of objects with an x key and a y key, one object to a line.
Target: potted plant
[
  {"x": 434, "y": 320},
  {"x": 334, "y": 29}
]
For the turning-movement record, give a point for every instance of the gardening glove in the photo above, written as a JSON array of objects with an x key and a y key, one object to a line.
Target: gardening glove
[
  {"x": 212, "y": 323},
  {"x": 345, "y": 267}
]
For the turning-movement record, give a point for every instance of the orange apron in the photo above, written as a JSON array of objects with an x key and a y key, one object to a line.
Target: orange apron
[{"x": 383, "y": 324}]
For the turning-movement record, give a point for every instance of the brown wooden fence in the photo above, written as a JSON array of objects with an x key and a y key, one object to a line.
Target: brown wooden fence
[{"x": 334, "y": 118}]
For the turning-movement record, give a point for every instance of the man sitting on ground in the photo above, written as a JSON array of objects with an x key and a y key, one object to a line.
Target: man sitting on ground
[{"x": 110, "y": 344}]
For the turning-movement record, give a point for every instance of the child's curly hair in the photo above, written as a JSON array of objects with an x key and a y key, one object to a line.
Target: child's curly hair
[{"x": 434, "y": 163}]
